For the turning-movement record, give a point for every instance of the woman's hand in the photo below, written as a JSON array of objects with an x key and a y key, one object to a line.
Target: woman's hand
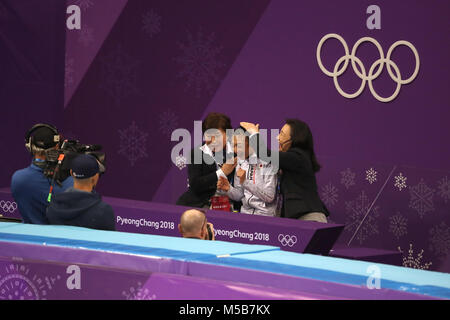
[
  {"x": 223, "y": 184},
  {"x": 250, "y": 127}
]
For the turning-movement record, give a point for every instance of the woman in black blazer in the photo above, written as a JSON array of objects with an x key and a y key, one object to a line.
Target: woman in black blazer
[{"x": 298, "y": 165}]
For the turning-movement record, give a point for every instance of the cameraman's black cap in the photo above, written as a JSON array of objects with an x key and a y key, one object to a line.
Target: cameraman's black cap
[
  {"x": 44, "y": 138},
  {"x": 84, "y": 166}
]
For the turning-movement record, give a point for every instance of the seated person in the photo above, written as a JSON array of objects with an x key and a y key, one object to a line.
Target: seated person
[
  {"x": 254, "y": 183},
  {"x": 193, "y": 224},
  {"x": 203, "y": 176},
  {"x": 81, "y": 206},
  {"x": 29, "y": 186}
]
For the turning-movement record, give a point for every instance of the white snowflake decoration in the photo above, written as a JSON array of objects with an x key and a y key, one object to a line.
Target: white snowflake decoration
[
  {"x": 416, "y": 263},
  {"x": 329, "y": 194},
  {"x": 348, "y": 178},
  {"x": 22, "y": 283},
  {"x": 144, "y": 295},
  {"x": 180, "y": 162},
  {"x": 86, "y": 36},
  {"x": 421, "y": 198},
  {"x": 400, "y": 182},
  {"x": 84, "y": 4},
  {"x": 356, "y": 211},
  {"x": 138, "y": 293},
  {"x": 440, "y": 240},
  {"x": 151, "y": 23},
  {"x": 444, "y": 188},
  {"x": 133, "y": 143},
  {"x": 131, "y": 293},
  {"x": 168, "y": 122},
  {"x": 398, "y": 225},
  {"x": 200, "y": 62},
  {"x": 119, "y": 78},
  {"x": 371, "y": 175},
  {"x": 69, "y": 72}
]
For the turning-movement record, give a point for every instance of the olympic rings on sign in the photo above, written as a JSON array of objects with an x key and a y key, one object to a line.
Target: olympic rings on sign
[
  {"x": 8, "y": 206},
  {"x": 287, "y": 240},
  {"x": 344, "y": 60}
]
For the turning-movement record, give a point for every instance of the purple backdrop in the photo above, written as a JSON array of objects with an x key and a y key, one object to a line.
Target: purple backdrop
[
  {"x": 139, "y": 69},
  {"x": 32, "y": 37}
]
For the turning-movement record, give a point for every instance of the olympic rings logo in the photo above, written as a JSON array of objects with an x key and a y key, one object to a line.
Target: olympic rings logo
[
  {"x": 287, "y": 240},
  {"x": 337, "y": 71},
  {"x": 8, "y": 206}
]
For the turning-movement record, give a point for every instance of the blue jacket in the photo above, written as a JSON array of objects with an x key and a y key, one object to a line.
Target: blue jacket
[
  {"x": 81, "y": 209},
  {"x": 30, "y": 188}
]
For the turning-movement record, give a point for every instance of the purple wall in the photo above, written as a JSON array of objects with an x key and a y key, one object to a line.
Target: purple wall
[
  {"x": 32, "y": 37},
  {"x": 157, "y": 70},
  {"x": 139, "y": 69}
]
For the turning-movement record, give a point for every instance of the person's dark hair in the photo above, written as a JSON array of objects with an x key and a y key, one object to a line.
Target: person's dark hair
[
  {"x": 216, "y": 120},
  {"x": 302, "y": 138}
]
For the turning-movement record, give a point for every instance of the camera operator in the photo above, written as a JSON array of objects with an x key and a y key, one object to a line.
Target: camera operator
[
  {"x": 81, "y": 206},
  {"x": 193, "y": 224},
  {"x": 29, "y": 186}
]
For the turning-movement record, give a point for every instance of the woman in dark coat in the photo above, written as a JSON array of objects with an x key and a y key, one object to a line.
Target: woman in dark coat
[{"x": 298, "y": 165}]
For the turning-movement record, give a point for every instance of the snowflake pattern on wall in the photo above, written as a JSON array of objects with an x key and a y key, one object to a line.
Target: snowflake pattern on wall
[
  {"x": 329, "y": 194},
  {"x": 86, "y": 36},
  {"x": 398, "y": 225},
  {"x": 356, "y": 211},
  {"x": 444, "y": 188},
  {"x": 348, "y": 178},
  {"x": 133, "y": 143},
  {"x": 119, "y": 75},
  {"x": 144, "y": 295},
  {"x": 138, "y": 293},
  {"x": 151, "y": 23},
  {"x": 84, "y": 4},
  {"x": 200, "y": 62},
  {"x": 371, "y": 175},
  {"x": 400, "y": 182},
  {"x": 414, "y": 262},
  {"x": 20, "y": 282},
  {"x": 421, "y": 198},
  {"x": 69, "y": 72},
  {"x": 168, "y": 122},
  {"x": 440, "y": 240}
]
